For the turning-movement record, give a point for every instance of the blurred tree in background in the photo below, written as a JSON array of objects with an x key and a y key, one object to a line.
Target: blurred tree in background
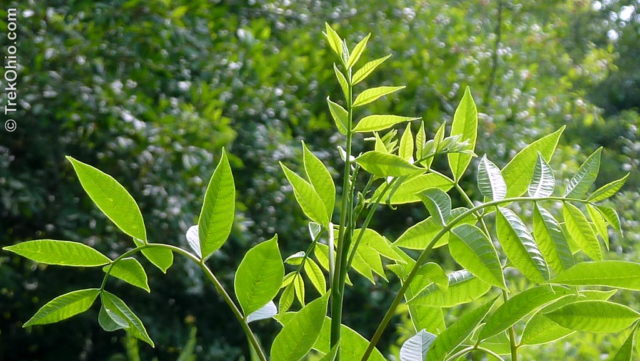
[{"x": 149, "y": 91}]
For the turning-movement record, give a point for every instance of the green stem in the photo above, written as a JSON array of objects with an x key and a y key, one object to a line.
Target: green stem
[
  {"x": 212, "y": 278},
  {"x": 337, "y": 289},
  {"x": 424, "y": 255},
  {"x": 469, "y": 349},
  {"x": 512, "y": 334}
]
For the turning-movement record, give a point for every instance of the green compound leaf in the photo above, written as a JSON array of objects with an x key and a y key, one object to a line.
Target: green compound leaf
[
  {"x": 61, "y": 253},
  {"x": 618, "y": 274},
  {"x": 550, "y": 240},
  {"x": 340, "y": 116},
  {"x": 300, "y": 331},
  {"x": 362, "y": 73},
  {"x": 471, "y": 248},
  {"x": 386, "y": 165},
  {"x": 320, "y": 179},
  {"x": 581, "y": 232},
  {"x": 315, "y": 275},
  {"x": 111, "y": 198},
  {"x": 543, "y": 180},
  {"x": 490, "y": 181},
  {"x": 407, "y": 190},
  {"x": 519, "y": 306},
  {"x": 587, "y": 173},
  {"x": 373, "y": 94},
  {"x": 608, "y": 189},
  {"x": 129, "y": 270},
  {"x": 63, "y": 307},
  {"x": 259, "y": 276},
  {"x": 216, "y": 217},
  {"x": 519, "y": 246},
  {"x": 519, "y": 171},
  {"x": 458, "y": 332},
  {"x": 594, "y": 316},
  {"x": 465, "y": 124},
  {"x": 118, "y": 310},
  {"x": 307, "y": 197},
  {"x": 438, "y": 204}
]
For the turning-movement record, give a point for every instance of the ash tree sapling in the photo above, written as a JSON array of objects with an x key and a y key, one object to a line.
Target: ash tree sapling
[{"x": 529, "y": 227}]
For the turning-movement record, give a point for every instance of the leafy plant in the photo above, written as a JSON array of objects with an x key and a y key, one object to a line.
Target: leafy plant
[{"x": 542, "y": 281}]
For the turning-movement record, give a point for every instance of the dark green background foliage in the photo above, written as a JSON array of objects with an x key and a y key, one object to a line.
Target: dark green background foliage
[{"x": 149, "y": 91}]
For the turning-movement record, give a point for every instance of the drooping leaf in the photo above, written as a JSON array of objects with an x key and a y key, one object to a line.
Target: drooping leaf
[
  {"x": 408, "y": 190},
  {"x": 519, "y": 171},
  {"x": 218, "y": 209},
  {"x": 471, "y": 249},
  {"x": 374, "y": 123},
  {"x": 490, "y": 180},
  {"x": 63, "y": 307},
  {"x": 367, "y": 69},
  {"x": 307, "y": 197},
  {"x": 129, "y": 270},
  {"x": 543, "y": 180},
  {"x": 111, "y": 198},
  {"x": 117, "y": 309},
  {"x": 463, "y": 288},
  {"x": 300, "y": 333},
  {"x": 608, "y": 189},
  {"x": 357, "y": 51},
  {"x": 625, "y": 353},
  {"x": 519, "y": 246},
  {"x": 267, "y": 311},
  {"x": 587, "y": 173},
  {"x": 618, "y": 274},
  {"x": 550, "y": 240},
  {"x": 315, "y": 275},
  {"x": 62, "y": 253},
  {"x": 406, "y": 145},
  {"x": 458, "y": 332},
  {"x": 519, "y": 306},
  {"x": 540, "y": 329},
  {"x": 320, "y": 179},
  {"x": 594, "y": 316},
  {"x": 581, "y": 232},
  {"x": 110, "y": 321},
  {"x": 438, "y": 203},
  {"x": 373, "y": 94},
  {"x": 417, "y": 346},
  {"x": 386, "y": 165},
  {"x": 340, "y": 116},
  {"x": 259, "y": 276},
  {"x": 333, "y": 39},
  {"x": 465, "y": 124}
]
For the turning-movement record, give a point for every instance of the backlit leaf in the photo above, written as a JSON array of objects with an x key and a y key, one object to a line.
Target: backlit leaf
[
  {"x": 62, "y": 253},
  {"x": 587, "y": 173},
  {"x": 386, "y": 165},
  {"x": 129, "y": 270},
  {"x": 357, "y": 51},
  {"x": 625, "y": 353},
  {"x": 344, "y": 85},
  {"x": 63, "y": 307},
  {"x": 117, "y": 309},
  {"x": 608, "y": 189},
  {"x": 333, "y": 39},
  {"x": 594, "y": 316},
  {"x": 218, "y": 209},
  {"x": 438, "y": 203},
  {"x": 618, "y": 274},
  {"x": 320, "y": 179},
  {"x": 550, "y": 240},
  {"x": 374, "y": 123},
  {"x": 463, "y": 288},
  {"x": 406, "y": 145},
  {"x": 367, "y": 69},
  {"x": 340, "y": 116},
  {"x": 408, "y": 190},
  {"x": 465, "y": 124},
  {"x": 373, "y": 94},
  {"x": 315, "y": 275},
  {"x": 307, "y": 197},
  {"x": 490, "y": 180},
  {"x": 471, "y": 249},
  {"x": 581, "y": 232},
  {"x": 543, "y": 180}
]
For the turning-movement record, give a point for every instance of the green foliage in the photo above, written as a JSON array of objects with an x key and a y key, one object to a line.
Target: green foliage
[
  {"x": 129, "y": 270},
  {"x": 63, "y": 307},
  {"x": 62, "y": 253}
]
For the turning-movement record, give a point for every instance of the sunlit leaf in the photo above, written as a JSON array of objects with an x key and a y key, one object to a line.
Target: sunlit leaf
[
  {"x": 543, "y": 180},
  {"x": 357, "y": 51},
  {"x": 111, "y": 198},
  {"x": 594, "y": 316},
  {"x": 608, "y": 189},
  {"x": 117, "y": 309},
  {"x": 465, "y": 124},
  {"x": 367, "y": 69},
  {"x": 218, "y": 209},
  {"x": 374, "y": 123},
  {"x": 471, "y": 249},
  {"x": 417, "y": 346},
  {"x": 618, "y": 274},
  {"x": 129, "y": 270},
  {"x": 340, "y": 116},
  {"x": 587, "y": 173},
  {"x": 519, "y": 171},
  {"x": 463, "y": 288},
  {"x": 420, "y": 234},
  {"x": 373, "y": 94},
  {"x": 550, "y": 240},
  {"x": 581, "y": 232},
  {"x": 407, "y": 190},
  {"x": 625, "y": 353},
  {"x": 386, "y": 165},
  {"x": 333, "y": 39},
  {"x": 62, "y": 253},
  {"x": 406, "y": 145},
  {"x": 320, "y": 179},
  {"x": 259, "y": 276},
  {"x": 307, "y": 197},
  {"x": 490, "y": 181},
  {"x": 315, "y": 275},
  {"x": 438, "y": 203},
  {"x": 63, "y": 307}
]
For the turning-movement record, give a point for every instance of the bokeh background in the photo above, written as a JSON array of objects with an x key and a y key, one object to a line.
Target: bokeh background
[{"x": 150, "y": 91}]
